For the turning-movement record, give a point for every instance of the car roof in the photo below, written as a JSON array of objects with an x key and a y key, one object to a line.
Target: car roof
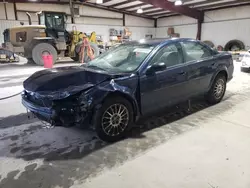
[{"x": 157, "y": 41}]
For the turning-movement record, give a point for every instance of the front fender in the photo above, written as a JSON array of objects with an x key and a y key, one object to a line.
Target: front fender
[{"x": 96, "y": 95}]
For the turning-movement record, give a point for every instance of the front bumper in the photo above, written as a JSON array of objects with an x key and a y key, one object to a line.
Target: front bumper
[
  {"x": 63, "y": 113},
  {"x": 45, "y": 112},
  {"x": 245, "y": 68}
]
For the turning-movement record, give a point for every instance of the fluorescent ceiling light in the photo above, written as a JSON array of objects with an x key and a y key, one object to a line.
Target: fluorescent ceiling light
[
  {"x": 139, "y": 10},
  {"x": 178, "y": 3},
  {"x": 99, "y": 1}
]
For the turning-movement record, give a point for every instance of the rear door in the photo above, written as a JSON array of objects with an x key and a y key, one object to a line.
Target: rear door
[{"x": 201, "y": 63}]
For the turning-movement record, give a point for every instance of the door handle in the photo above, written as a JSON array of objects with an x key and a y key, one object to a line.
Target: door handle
[{"x": 182, "y": 73}]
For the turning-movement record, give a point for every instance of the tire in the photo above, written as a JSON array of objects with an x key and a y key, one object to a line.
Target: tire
[
  {"x": 101, "y": 119},
  {"x": 245, "y": 69},
  {"x": 213, "y": 97},
  {"x": 209, "y": 43},
  {"x": 220, "y": 48},
  {"x": 30, "y": 61},
  {"x": 40, "y": 49},
  {"x": 234, "y": 45}
]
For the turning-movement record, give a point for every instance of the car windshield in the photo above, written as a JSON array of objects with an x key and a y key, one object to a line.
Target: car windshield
[{"x": 124, "y": 58}]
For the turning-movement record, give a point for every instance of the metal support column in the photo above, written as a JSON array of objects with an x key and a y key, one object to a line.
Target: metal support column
[
  {"x": 199, "y": 24},
  {"x": 198, "y": 37},
  {"x": 5, "y": 9},
  {"x": 71, "y": 6},
  {"x": 155, "y": 23},
  {"x": 15, "y": 10},
  {"x": 123, "y": 19}
]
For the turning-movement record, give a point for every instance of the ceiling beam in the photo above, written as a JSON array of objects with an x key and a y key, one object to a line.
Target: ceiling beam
[
  {"x": 153, "y": 11},
  {"x": 228, "y": 6},
  {"x": 167, "y": 15},
  {"x": 106, "y": 1},
  {"x": 184, "y": 10},
  {"x": 122, "y": 3},
  {"x": 89, "y": 5},
  {"x": 156, "y": 14},
  {"x": 221, "y": 4},
  {"x": 134, "y": 6},
  {"x": 114, "y": 10},
  {"x": 149, "y": 8},
  {"x": 162, "y": 14},
  {"x": 201, "y": 3}
]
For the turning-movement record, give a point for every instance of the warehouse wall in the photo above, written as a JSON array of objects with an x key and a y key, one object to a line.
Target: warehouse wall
[
  {"x": 88, "y": 20},
  {"x": 219, "y": 26}
]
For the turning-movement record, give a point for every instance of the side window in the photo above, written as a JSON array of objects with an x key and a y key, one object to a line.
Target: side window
[
  {"x": 195, "y": 51},
  {"x": 170, "y": 55},
  {"x": 21, "y": 36}
]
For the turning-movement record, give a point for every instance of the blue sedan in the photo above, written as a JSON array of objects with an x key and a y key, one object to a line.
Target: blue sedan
[{"x": 132, "y": 80}]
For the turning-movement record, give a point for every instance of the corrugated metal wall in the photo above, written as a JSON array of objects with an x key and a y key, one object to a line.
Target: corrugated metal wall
[
  {"x": 219, "y": 26},
  {"x": 139, "y": 26}
]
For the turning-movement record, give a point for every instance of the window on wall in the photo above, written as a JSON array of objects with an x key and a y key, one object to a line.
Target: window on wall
[
  {"x": 194, "y": 51},
  {"x": 170, "y": 55},
  {"x": 21, "y": 36}
]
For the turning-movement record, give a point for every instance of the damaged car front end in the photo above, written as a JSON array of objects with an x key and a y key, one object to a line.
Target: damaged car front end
[
  {"x": 65, "y": 108},
  {"x": 62, "y": 96},
  {"x": 103, "y": 93}
]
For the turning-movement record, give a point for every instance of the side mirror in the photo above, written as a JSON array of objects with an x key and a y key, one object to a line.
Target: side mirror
[{"x": 156, "y": 68}]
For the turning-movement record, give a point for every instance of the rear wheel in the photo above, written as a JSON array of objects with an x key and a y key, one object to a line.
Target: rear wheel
[
  {"x": 218, "y": 89},
  {"x": 114, "y": 119},
  {"x": 43, "y": 49}
]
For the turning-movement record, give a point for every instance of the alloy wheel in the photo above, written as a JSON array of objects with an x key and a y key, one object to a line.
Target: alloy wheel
[
  {"x": 115, "y": 120},
  {"x": 219, "y": 88}
]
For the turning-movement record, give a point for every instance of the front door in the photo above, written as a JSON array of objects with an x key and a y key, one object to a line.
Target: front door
[{"x": 165, "y": 87}]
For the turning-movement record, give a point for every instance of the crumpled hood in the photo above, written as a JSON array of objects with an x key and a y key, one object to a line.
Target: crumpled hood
[{"x": 63, "y": 79}]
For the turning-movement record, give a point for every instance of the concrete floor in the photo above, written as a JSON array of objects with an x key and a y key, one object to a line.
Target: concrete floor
[{"x": 208, "y": 147}]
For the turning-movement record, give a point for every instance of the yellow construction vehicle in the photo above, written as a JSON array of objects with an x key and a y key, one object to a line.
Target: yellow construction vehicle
[{"x": 48, "y": 38}]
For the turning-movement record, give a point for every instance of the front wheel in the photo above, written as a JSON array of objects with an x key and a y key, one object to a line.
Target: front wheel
[
  {"x": 218, "y": 89},
  {"x": 114, "y": 119}
]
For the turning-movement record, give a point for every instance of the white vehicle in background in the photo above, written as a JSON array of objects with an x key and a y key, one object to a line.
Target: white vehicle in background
[{"x": 245, "y": 62}]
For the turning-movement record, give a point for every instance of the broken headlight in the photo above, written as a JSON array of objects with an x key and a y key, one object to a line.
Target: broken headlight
[{"x": 55, "y": 95}]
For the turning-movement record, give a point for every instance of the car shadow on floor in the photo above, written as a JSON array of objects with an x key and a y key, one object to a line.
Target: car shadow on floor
[
  {"x": 70, "y": 154},
  {"x": 16, "y": 120},
  {"x": 78, "y": 141}
]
